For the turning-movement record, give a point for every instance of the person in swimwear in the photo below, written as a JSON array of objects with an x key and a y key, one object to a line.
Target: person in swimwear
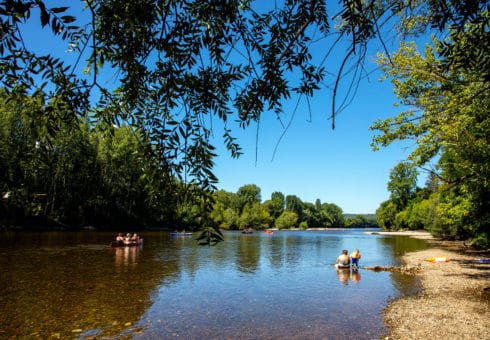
[
  {"x": 343, "y": 260},
  {"x": 355, "y": 256},
  {"x": 120, "y": 238}
]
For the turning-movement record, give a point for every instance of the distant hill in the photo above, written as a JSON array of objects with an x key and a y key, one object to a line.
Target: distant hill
[{"x": 367, "y": 216}]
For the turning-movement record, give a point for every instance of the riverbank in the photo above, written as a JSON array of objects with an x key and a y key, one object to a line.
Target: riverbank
[{"x": 455, "y": 298}]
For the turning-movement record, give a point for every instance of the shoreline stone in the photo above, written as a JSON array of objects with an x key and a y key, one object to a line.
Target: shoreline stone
[
  {"x": 408, "y": 269},
  {"x": 455, "y": 296}
]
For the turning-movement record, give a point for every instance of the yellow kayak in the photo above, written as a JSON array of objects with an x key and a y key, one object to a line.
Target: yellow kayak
[{"x": 437, "y": 259}]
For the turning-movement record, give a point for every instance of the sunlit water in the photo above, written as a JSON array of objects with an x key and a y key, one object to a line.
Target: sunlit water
[{"x": 257, "y": 286}]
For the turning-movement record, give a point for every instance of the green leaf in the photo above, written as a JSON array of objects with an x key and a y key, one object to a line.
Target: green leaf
[{"x": 44, "y": 15}]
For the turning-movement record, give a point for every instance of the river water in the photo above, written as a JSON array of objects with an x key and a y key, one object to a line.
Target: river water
[{"x": 255, "y": 286}]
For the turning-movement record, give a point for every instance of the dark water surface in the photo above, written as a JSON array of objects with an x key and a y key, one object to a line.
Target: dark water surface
[{"x": 257, "y": 286}]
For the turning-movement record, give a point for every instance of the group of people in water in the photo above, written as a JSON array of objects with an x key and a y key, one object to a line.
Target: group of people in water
[
  {"x": 345, "y": 260},
  {"x": 128, "y": 239}
]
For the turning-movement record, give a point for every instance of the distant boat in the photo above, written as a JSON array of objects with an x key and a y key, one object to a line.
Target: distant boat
[
  {"x": 247, "y": 231},
  {"x": 180, "y": 233},
  {"x": 269, "y": 232}
]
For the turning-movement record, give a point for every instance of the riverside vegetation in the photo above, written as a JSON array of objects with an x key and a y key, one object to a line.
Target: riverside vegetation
[{"x": 88, "y": 175}]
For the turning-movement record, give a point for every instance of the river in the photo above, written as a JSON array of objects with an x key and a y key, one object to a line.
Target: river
[{"x": 254, "y": 286}]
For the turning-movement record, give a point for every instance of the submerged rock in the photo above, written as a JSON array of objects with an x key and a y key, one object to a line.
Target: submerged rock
[{"x": 402, "y": 269}]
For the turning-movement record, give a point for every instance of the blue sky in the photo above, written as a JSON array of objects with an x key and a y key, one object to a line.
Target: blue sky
[
  {"x": 312, "y": 160},
  {"x": 309, "y": 159}
]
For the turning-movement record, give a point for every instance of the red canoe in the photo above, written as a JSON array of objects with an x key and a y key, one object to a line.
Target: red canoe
[{"x": 122, "y": 244}]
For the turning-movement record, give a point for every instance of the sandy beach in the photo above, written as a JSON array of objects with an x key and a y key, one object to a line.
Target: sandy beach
[{"x": 455, "y": 298}]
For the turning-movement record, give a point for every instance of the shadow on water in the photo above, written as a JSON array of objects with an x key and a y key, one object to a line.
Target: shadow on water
[{"x": 72, "y": 284}]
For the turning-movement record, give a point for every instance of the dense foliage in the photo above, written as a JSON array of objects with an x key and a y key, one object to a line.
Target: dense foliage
[
  {"x": 92, "y": 176},
  {"x": 244, "y": 209},
  {"x": 448, "y": 117},
  {"x": 85, "y": 176}
]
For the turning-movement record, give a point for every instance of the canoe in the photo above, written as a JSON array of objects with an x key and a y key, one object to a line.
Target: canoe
[
  {"x": 437, "y": 259},
  {"x": 177, "y": 234},
  {"x": 121, "y": 244}
]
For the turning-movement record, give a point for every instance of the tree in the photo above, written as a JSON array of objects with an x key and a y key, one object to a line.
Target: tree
[
  {"x": 318, "y": 204},
  {"x": 294, "y": 204},
  {"x": 248, "y": 194},
  {"x": 421, "y": 214},
  {"x": 312, "y": 216},
  {"x": 46, "y": 178},
  {"x": 402, "y": 184},
  {"x": 386, "y": 214},
  {"x": 275, "y": 205},
  {"x": 448, "y": 118},
  {"x": 361, "y": 221},
  {"x": 226, "y": 209},
  {"x": 17, "y": 154},
  {"x": 122, "y": 168},
  {"x": 254, "y": 215},
  {"x": 332, "y": 215},
  {"x": 288, "y": 219},
  {"x": 230, "y": 219},
  {"x": 80, "y": 175}
]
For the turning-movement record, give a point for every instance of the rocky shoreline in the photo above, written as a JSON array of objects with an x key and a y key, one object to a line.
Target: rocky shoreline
[{"x": 455, "y": 297}]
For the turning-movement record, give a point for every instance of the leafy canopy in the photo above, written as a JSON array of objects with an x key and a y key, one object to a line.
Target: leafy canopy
[
  {"x": 175, "y": 65},
  {"x": 446, "y": 95}
]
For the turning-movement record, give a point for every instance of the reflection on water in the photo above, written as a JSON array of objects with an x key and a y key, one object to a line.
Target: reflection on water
[
  {"x": 126, "y": 256},
  {"x": 69, "y": 285},
  {"x": 343, "y": 275},
  {"x": 346, "y": 275},
  {"x": 355, "y": 275}
]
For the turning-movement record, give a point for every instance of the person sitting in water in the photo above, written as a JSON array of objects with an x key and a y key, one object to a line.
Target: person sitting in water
[
  {"x": 127, "y": 239},
  {"x": 355, "y": 256},
  {"x": 120, "y": 238},
  {"x": 343, "y": 260}
]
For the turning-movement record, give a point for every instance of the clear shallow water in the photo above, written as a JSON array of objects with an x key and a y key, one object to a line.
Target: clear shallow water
[{"x": 250, "y": 286}]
